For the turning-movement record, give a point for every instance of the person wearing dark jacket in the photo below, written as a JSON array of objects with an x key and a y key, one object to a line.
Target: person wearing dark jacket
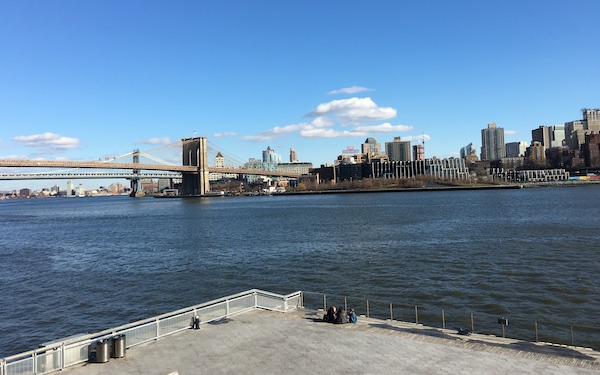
[
  {"x": 341, "y": 317},
  {"x": 331, "y": 314}
]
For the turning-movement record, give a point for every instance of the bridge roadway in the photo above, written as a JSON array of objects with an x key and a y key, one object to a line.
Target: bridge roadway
[
  {"x": 78, "y": 176},
  {"x": 299, "y": 342},
  {"x": 137, "y": 166}
]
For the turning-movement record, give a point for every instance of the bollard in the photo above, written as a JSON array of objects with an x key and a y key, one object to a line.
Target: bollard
[{"x": 195, "y": 322}]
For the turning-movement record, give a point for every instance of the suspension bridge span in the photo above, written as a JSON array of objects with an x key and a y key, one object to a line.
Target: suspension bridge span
[{"x": 194, "y": 170}]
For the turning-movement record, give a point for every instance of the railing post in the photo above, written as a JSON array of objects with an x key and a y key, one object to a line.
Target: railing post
[
  {"x": 391, "y": 312},
  {"x": 157, "y": 329},
  {"x": 285, "y": 304},
  {"x": 367, "y": 308},
  {"x": 572, "y": 336},
  {"x": 536, "y": 332},
  {"x": 62, "y": 356},
  {"x": 472, "y": 324},
  {"x": 324, "y": 302},
  {"x": 346, "y": 303},
  {"x": 227, "y": 307},
  {"x": 416, "y": 314},
  {"x": 443, "y": 319},
  {"x": 34, "y": 359},
  {"x": 255, "y": 299}
]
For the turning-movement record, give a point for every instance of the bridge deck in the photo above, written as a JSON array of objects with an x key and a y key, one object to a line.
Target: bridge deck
[{"x": 299, "y": 342}]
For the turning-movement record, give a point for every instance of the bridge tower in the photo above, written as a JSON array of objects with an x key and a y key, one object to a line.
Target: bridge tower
[
  {"x": 135, "y": 183},
  {"x": 195, "y": 153}
]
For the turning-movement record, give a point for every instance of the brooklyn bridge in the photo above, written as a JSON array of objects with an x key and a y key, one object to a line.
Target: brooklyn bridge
[{"x": 194, "y": 170}]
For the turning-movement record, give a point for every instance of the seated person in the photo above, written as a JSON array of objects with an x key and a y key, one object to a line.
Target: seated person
[
  {"x": 352, "y": 316},
  {"x": 341, "y": 317},
  {"x": 331, "y": 314}
]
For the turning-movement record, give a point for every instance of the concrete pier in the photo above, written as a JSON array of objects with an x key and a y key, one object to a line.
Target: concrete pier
[{"x": 299, "y": 342}]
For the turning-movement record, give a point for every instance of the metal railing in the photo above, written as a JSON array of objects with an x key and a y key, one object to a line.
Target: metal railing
[
  {"x": 71, "y": 351},
  {"x": 439, "y": 317}
]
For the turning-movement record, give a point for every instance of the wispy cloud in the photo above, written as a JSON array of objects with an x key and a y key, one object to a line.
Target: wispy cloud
[
  {"x": 225, "y": 134},
  {"x": 14, "y": 157},
  {"x": 156, "y": 141},
  {"x": 47, "y": 142},
  {"x": 383, "y": 128},
  {"x": 510, "y": 132},
  {"x": 349, "y": 90}
]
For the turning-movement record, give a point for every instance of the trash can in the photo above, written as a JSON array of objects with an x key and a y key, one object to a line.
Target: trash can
[
  {"x": 118, "y": 346},
  {"x": 102, "y": 351}
]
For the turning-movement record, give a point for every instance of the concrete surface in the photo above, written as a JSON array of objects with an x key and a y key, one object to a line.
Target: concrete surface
[{"x": 298, "y": 342}]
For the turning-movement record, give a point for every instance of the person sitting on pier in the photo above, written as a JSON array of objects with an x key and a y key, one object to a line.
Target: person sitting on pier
[
  {"x": 341, "y": 317},
  {"x": 352, "y": 316},
  {"x": 331, "y": 314}
]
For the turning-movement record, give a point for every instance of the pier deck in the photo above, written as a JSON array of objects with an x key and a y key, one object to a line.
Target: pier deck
[{"x": 299, "y": 342}]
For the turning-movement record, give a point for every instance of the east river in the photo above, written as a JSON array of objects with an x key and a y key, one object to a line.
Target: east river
[{"x": 77, "y": 265}]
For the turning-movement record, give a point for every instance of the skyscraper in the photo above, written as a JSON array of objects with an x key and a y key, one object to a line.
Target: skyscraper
[
  {"x": 269, "y": 156},
  {"x": 418, "y": 152},
  {"x": 492, "y": 143},
  {"x": 293, "y": 156},
  {"x": 398, "y": 150}
]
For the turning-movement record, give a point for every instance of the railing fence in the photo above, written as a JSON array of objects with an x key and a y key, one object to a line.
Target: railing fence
[
  {"x": 59, "y": 355},
  {"x": 440, "y": 317}
]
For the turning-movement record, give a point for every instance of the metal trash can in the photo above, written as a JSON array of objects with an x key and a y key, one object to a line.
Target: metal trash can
[
  {"x": 118, "y": 346},
  {"x": 102, "y": 351}
]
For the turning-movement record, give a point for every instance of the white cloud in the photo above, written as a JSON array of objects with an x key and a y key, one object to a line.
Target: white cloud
[
  {"x": 278, "y": 132},
  {"x": 510, "y": 132},
  {"x": 349, "y": 90},
  {"x": 331, "y": 133},
  {"x": 353, "y": 111},
  {"x": 225, "y": 134},
  {"x": 383, "y": 128},
  {"x": 416, "y": 138},
  {"x": 48, "y": 141},
  {"x": 156, "y": 141},
  {"x": 14, "y": 157}
]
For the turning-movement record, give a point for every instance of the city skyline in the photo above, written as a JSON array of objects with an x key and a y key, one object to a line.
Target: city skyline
[{"x": 314, "y": 77}]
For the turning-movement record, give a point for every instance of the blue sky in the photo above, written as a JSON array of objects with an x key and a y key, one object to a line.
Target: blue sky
[{"x": 83, "y": 80}]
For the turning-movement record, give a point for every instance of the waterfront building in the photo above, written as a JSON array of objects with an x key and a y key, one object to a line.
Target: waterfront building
[
  {"x": 70, "y": 189},
  {"x": 370, "y": 148},
  {"x": 293, "y": 155},
  {"x": 516, "y": 149},
  {"x": 297, "y": 167},
  {"x": 450, "y": 168},
  {"x": 575, "y": 131},
  {"x": 549, "y": 136},
  {"x": 398, "y": 150},
  {"x": 492, "y": 141}
]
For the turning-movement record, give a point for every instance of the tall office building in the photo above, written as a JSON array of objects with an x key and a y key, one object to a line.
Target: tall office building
[
  {"x": 492, "y": 141},
  {"x": 516, "y": 149},
  {"x": 418, "y": 152},
  {"x": 466, "y": 151},
  {"x": 293, "y": 156},
  {"x": 575, "y": 131},
  {"x": 269, "y": 156},
  {"x": 549, "y": 136},
  {"x": 398, "y": 150}
]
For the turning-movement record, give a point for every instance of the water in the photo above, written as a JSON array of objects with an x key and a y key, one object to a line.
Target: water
[{"x": 84, "y": 264}]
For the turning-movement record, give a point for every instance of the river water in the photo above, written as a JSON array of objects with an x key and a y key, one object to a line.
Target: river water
[{"x": 77, "y": 265}]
